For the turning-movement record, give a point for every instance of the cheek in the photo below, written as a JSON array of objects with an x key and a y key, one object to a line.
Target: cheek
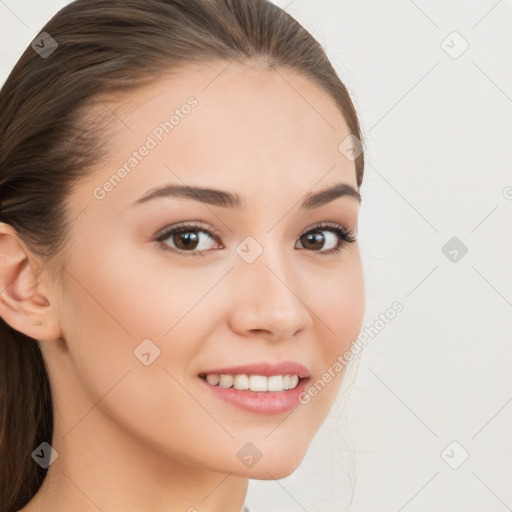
[
  {"x": 106, "y": 323},
  {"x": 132, "y": 293},
  {"x": 156, "y": 409},
  {"x": 113, "y": 304},
  {"x": 341, "y": 306}
]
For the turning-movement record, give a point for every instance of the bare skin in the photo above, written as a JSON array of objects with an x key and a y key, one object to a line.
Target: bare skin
[{"x": 153, "y": 438}]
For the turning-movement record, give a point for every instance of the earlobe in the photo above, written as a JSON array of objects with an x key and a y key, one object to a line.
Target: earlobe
[{"x": 24, "y": 304}]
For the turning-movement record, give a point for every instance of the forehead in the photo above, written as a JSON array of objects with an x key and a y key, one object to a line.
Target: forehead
[{"x": 235, "y": 126}]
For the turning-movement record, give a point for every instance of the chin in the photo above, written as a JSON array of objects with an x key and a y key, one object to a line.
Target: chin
[
  {"x": 272, "y": 471},
  {"x": 275, "y": 467}
]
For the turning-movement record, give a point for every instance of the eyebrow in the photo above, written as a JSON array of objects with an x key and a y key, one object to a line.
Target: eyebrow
[{"x": 230, "y": 200}]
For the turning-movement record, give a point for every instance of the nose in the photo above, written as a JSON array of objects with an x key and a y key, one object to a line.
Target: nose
[{"x": 268, "y": 298}]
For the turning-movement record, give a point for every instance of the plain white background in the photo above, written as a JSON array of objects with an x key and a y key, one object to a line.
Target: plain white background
[{"x": 432, "y": 83}]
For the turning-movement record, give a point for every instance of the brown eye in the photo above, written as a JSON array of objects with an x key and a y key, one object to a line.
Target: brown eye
[
  {"x": 314, "y": 240},
  {"x": 189, "y": 240},
  {"x": 193, "y": 240},
  {"x": 185, "y": 240},
  {"x": 335, "y": 238}
]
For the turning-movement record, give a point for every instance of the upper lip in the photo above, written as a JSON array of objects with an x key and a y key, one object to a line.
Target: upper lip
[{"x": 263, "y": 368}]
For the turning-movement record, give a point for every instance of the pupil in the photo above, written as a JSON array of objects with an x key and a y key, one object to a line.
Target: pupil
[
  {"x": 188, "y": 240},
  {"x": 316, "y": 239}
]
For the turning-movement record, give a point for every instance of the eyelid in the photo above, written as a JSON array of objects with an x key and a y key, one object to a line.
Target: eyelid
[{"x": 188, "y": 224}]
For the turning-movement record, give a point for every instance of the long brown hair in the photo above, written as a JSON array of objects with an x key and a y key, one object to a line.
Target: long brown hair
[{"x": 48, "y": 141}]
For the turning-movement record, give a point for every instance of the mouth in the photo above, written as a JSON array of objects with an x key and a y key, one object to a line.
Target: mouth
[
  {"x": 258, "y": 388},
  {"x": 244, "y": 382}
]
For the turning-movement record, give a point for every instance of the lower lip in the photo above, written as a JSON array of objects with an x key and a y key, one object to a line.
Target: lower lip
[{"x": 261, "y": 402}]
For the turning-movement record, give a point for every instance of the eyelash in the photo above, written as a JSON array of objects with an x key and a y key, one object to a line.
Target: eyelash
[{"x": 345, "y": 236}]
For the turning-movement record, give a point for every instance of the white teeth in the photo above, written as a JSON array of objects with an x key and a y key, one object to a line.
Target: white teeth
[
  {"x": 254, "y": 382},
  {"x": 226, "y": 381},
  {"x": 275, "y": 383},
  {"x": 212, "y": 379},
  {"x": 241, "y": 382},
  {"x": 294, "y": 380},
  {"x": 258, "y": 383}
]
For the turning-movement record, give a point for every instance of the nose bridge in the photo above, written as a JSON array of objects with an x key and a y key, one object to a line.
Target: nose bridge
[{"x": 267, "y": 294}]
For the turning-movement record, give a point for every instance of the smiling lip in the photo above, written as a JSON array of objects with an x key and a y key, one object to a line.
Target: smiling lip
[
  {"x": 261, "y": 402},
  {"x": 266, "y": 369}
]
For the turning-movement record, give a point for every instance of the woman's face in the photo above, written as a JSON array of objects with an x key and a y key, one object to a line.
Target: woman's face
[{"x": 143, "y": 321}]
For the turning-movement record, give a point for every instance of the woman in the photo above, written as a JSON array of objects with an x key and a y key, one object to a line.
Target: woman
[{"x": 134, "y": 137}]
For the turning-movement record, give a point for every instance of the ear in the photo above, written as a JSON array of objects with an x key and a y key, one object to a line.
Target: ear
[{"x": 24, "y": 302}]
